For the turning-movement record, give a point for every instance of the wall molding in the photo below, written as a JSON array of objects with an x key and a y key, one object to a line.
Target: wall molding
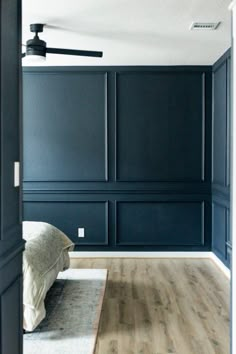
[
  {"x": 203, "y": 133},
  {"x": 125, "y": 68},
  {"x": 104, "y": 73},
  {"x": 154, "y": 244},
  {"x": 139, "y": 196},
  {"x": 81, "y": 242},
  {"x": 221, "y": 117},
  {"x": 216, "y": 204},
  {"x": 223, "y": 61},
  {"x": 203, "y": 126},
  {"x": 111, "y": 188}
]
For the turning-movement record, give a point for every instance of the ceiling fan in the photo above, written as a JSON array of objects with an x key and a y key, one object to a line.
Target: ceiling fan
[{"x": 38, "y": 48}]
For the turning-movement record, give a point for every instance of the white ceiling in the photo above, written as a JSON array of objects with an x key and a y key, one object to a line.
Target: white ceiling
[{"x": 131, "y": 32}]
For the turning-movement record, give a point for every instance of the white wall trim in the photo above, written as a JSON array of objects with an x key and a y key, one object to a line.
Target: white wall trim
[
  {"x": 209, "y": 255},
  {"x": 221, "y": 265},
  {"x": 140, "y": 254}
]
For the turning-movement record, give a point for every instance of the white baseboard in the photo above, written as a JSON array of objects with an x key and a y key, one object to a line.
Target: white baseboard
[
  {"x": 209, "y": 255},
  {"x": 140, "y": 254},
  {"x": 221, "y": 265}
]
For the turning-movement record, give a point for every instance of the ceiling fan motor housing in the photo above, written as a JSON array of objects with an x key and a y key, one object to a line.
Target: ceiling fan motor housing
[{"x": 36, "y": 46}]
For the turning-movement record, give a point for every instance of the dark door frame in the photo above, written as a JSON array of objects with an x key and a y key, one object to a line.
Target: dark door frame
[{"x": 11, "y": 243}]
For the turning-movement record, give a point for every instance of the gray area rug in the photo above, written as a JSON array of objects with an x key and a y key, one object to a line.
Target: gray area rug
[{"x": 73, "y": 306}]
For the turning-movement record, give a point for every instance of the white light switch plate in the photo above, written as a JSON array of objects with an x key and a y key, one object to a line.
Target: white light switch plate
[{"x": 80, "y": 232}]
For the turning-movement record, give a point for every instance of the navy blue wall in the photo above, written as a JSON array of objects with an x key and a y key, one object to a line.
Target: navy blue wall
[
  {"x": 124, "y": 152},
  {"x": 221, "y": 243}
]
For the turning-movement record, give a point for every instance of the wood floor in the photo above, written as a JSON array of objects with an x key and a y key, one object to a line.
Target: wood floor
[{"x": 162, "y": 306}]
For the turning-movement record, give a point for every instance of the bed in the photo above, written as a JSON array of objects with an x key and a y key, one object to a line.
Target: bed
[{"x": 46, "y": 254}]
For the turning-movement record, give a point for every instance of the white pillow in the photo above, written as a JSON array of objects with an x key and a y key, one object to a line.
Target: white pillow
[
  {"x": 44, "y": 248},
  {"x": 32, "y": 229}
]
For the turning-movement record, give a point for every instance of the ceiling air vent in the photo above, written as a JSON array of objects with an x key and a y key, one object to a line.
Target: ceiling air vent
[{"x": 204, "y": 26}]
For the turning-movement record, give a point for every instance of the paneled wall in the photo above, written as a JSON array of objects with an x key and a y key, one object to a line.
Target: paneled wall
[
  {"x": 221, "y": 242},
  {"x": 124, "y": 152}
]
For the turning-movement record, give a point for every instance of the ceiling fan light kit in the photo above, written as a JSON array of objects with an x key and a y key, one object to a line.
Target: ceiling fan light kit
[{"x": 37, "y": 49}]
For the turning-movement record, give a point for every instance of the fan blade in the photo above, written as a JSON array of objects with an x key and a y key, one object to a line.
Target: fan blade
[
  {"x": 85, "y": 53},
  {"x": 23, "y": 55}
]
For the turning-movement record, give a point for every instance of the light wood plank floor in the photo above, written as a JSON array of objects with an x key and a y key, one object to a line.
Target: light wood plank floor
[{"x": 160, "y": 306}]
